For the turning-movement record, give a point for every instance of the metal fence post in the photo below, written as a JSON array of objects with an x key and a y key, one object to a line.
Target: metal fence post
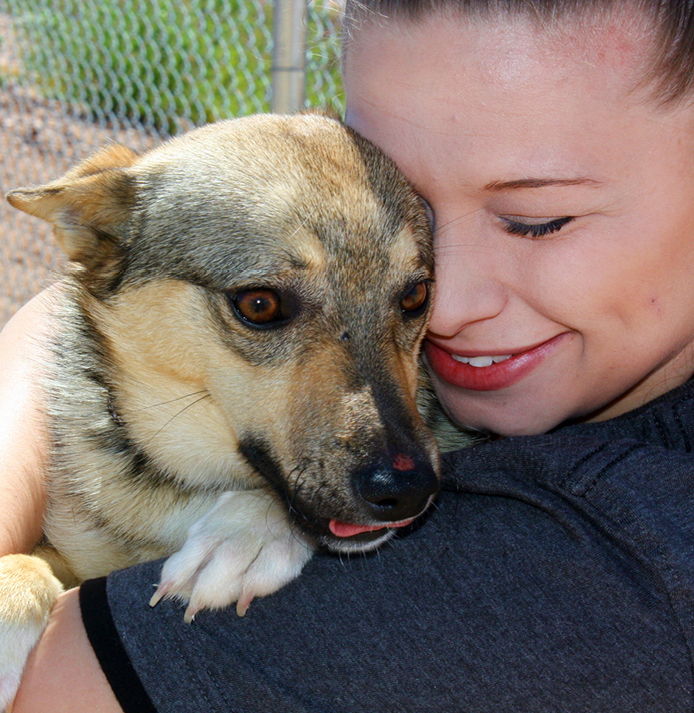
[{"x": 289, "y": 56}]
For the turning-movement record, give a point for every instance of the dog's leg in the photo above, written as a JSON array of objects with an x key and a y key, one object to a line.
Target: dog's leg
[
  {"x": 245, "y": 547},
  {"x": 28, "y": 590}
]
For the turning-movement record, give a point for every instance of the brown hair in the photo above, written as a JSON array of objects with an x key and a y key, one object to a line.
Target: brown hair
[{"x": 671, "y": 69}]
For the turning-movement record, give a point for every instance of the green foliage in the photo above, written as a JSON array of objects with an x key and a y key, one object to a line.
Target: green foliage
[
  {"x": 149, "y": 60},
  {"x": 165, "y": 63},
  {"x": 324, "y": 81}
]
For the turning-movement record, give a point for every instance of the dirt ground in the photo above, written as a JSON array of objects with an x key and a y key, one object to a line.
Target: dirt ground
[{"x": 39, "y": 140}]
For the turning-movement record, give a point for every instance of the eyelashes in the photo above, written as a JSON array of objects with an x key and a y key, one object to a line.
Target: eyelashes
[{"x": 535, "y": 230}]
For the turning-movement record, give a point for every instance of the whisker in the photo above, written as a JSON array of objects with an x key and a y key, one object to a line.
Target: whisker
[
  {"x": 290, "y": 493},
  {"x": 301, "y": 225},
  {"x": 461, "y": 249},
  {"x": 164, "y": 403},
  {"x": 185, "y": 408},
  {"x": 291, "y": 504},
  {"x": 454, "y": 221}
]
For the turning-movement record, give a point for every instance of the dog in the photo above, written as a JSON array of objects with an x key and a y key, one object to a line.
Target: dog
[{"x": 235, "y": 372}]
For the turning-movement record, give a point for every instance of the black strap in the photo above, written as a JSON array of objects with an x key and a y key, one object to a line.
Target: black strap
[{"x": 109, "y": 650}]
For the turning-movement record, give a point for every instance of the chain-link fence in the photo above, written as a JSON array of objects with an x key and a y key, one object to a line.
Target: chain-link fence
[{"x": 75, "y": 74}]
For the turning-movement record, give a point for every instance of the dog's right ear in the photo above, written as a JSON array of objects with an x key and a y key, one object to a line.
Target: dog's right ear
[{"x": 86, "y": 205}]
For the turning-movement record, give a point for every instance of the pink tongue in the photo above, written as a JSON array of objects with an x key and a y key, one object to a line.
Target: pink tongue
[{"x": 344, "y": 529}]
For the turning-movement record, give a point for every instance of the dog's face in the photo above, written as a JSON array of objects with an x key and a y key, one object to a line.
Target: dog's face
[{"x": 281, "y": 268}]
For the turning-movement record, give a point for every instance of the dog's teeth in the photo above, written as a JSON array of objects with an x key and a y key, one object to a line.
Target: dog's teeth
[{"x": 497, "y": 359}]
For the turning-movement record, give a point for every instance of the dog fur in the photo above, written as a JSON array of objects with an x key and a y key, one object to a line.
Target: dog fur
[{"x": 183, "y": 428}]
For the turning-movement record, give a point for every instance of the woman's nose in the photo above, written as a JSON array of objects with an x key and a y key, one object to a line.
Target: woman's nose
[{"x": 469, "y": 285}]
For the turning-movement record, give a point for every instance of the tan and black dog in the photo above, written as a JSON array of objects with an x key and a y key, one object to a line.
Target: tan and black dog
[{"x": 235, "y": 368}]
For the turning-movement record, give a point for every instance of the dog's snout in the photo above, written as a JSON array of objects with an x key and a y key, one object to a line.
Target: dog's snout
[{"x": 392, "y": 492}]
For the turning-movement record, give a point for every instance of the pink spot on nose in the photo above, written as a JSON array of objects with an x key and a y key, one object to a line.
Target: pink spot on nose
[{"x": 403, "y": 462}]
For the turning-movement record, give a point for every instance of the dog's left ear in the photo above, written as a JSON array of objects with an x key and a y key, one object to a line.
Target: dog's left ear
[{"x": 86, "y": 205}]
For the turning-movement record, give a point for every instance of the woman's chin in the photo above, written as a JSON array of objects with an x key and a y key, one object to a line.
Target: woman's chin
[{"x": 505, "y": 419}]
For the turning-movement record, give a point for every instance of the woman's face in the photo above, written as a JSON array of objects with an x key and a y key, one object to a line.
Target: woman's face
[{"x": 564, "y": 205}]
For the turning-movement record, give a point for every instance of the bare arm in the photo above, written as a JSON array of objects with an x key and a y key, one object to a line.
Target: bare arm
[
  {"x": 63, "y": 653},
  {"x": 63, "y": 674},
  {"x": 22, "y": 437}
]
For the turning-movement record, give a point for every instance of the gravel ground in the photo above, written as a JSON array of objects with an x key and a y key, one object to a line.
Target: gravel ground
[{"x": 39, "y": 140}]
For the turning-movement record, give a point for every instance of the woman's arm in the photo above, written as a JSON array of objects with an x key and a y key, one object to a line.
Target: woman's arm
[
  {"x": 22, "y": 436},
  {"x": 62, "y": 674}
]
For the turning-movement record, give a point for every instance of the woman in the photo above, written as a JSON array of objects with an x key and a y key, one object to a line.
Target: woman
[{"x": 554, "y": 143}]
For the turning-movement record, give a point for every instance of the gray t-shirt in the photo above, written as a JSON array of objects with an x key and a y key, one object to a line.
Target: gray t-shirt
[{"x": 555, "y": 574}]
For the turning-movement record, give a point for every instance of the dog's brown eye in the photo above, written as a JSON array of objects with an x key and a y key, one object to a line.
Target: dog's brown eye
[
  {"x": 415, "y": 299},
  {"x": 259, "y": 307}
]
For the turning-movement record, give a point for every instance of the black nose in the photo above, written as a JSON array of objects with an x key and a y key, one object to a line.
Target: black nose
[{"x": 392, "y": 493}]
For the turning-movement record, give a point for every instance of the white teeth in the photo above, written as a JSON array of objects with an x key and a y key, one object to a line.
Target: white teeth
[{"x": 481, "y": 360}]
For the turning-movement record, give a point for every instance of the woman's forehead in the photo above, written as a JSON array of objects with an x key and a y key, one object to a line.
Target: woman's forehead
[
  {"x": 483, "y": 101},
  {"x": 498, "y": 76},
  {"x": 508, "y": 48}
]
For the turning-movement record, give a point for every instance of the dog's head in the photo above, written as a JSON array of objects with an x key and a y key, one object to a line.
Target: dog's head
[{"x": 282, "y": 268}]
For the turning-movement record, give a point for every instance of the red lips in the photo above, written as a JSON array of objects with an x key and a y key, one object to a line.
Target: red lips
[{"x": 487, "y": 378}]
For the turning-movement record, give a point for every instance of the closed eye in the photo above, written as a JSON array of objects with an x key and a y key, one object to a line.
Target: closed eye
[{"x": 535, "y": 230}]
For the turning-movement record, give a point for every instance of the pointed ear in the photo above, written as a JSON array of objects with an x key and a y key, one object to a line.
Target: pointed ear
[{"x": 86, "y": 205}]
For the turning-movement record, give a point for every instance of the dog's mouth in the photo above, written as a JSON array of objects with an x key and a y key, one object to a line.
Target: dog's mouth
[
  {"x": 401, "y": 487},
  {"x": 339, "y": 536},
  {"x": 348, "y": 531},
  {"x": 350, "y": 537}
]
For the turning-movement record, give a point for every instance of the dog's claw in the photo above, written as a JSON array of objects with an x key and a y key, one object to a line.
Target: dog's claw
[
  {"x": 243, "y": 603},
  {"x": 162, "y": 589},
  {"x": 190, "y": 613},
  {"x": 156, "y": 598},
  {"x": 245, "y": 547}
]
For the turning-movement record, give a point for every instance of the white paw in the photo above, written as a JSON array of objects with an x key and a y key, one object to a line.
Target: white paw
[
  {"x": 28, "y": 591},
  {"x": 245, "y": 547}
]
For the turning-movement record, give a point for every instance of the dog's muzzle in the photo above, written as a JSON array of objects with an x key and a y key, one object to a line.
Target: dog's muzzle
[
  {"x": 387, "y": 493},
  {"x": 391, "y": 496},
  {"x": 397, "y": 491}
]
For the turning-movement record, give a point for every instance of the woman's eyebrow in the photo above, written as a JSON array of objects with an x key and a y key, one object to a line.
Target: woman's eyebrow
[{"x": 538, "y": 183}]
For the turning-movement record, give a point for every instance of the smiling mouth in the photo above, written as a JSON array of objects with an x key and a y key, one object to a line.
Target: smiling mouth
[{"x": 488, "y": 372}]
